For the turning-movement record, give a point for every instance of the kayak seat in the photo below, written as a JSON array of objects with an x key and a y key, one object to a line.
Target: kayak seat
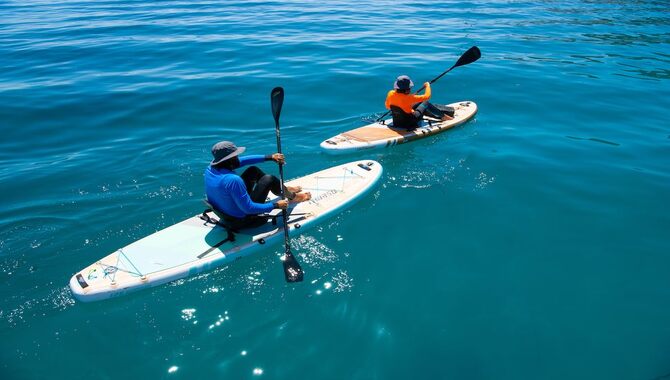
[
  {"x": 402, "y": 119},
  {"x": 228, "y": 222},
  {"x": 224, "y": 219}
]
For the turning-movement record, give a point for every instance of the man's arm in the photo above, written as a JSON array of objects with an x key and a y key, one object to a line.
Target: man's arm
[
  {"x": 426, "y": 94},
  {"x": 256, "y": 158}
]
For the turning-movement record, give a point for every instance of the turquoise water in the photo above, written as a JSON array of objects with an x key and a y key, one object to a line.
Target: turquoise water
[{"x": 531, "y": 243}]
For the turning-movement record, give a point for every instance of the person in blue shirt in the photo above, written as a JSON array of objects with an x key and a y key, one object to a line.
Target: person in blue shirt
[{"x": 241, "y": 198}]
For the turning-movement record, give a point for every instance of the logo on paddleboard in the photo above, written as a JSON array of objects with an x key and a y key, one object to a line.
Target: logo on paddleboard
[{"x": 323, "y": 196}]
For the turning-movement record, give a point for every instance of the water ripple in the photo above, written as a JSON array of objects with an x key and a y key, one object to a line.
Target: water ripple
[{"x": 108, "y": 110}]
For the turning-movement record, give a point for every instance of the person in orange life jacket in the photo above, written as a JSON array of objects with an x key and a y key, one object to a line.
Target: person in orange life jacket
[
  {"x": 242, "y": 197},
  {"x": 408, "y": 109}
]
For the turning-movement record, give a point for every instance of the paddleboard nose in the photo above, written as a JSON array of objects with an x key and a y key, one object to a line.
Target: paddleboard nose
[{"x": 78, "y": 288}]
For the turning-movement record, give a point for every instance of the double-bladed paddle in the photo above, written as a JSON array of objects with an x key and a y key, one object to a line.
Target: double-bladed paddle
[
  {"x": 468, "y": 57},
  {"x": 292, "y": 270}
]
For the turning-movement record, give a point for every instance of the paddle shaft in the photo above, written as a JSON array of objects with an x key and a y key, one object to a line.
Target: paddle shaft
[
  {"x": 287, "y": 242},
  {"x": 292, "y": 270},
  {"x": 435, "y": 79}
]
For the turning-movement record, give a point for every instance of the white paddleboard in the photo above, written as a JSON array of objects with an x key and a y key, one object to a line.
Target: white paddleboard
[
  {"x": 196, "y": 245},
  {"x": 382, "y": 135}
]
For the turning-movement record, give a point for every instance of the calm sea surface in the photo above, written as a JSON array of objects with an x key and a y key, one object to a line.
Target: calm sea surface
[{"x": 531, "y": 243}]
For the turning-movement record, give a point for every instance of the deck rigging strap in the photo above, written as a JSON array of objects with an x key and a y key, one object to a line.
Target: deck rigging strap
[
  {"x": 344, "y": 178},
  {"x": 115, "y": 268}
]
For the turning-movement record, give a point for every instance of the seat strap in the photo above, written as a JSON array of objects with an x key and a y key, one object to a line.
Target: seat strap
[{"x": 229, "y": 238}]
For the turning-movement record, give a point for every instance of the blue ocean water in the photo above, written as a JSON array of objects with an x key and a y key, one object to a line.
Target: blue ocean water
[{"x": 530, "y": 243}]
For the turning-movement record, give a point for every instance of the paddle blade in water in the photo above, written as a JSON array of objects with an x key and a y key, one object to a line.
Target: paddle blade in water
[{"x": 292, "y": 270}]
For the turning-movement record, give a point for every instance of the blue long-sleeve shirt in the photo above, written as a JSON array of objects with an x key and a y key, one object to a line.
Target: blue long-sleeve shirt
[{"x": 227, "y": 192}]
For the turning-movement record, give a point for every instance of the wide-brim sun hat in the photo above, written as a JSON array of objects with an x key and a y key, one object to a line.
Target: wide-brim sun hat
[
  {"x": 403, "y": 82},
  {"x": 225, "y": 150}
]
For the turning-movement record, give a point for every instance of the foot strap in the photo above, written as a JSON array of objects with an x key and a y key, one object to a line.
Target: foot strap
[{"x": 289, "y": 194}]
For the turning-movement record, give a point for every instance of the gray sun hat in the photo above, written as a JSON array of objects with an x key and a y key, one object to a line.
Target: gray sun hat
[
  {"x": 403, "y": 82},
  {"x": 224, "y": 150}
]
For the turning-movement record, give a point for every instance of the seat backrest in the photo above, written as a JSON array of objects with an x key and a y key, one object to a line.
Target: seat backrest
[
  {"x": 402, "y": 119},
  {"x": 224, "y": 221},
  {"x": 222, "y": 216}
]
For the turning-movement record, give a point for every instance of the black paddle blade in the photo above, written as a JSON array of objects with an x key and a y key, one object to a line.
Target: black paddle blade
[
  {"x": 469, "y": 56},
  {"x": 292, "y": 270},
  {"x": 277, "y": 100}
]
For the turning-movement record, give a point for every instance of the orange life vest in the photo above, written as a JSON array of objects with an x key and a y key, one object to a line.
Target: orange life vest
[{"x": 405, "y": 101}]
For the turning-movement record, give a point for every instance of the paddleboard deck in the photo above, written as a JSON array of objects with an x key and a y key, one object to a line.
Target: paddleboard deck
[
  {"x": 382, "y": 135},
  {"x": 198, "y": 244}
]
